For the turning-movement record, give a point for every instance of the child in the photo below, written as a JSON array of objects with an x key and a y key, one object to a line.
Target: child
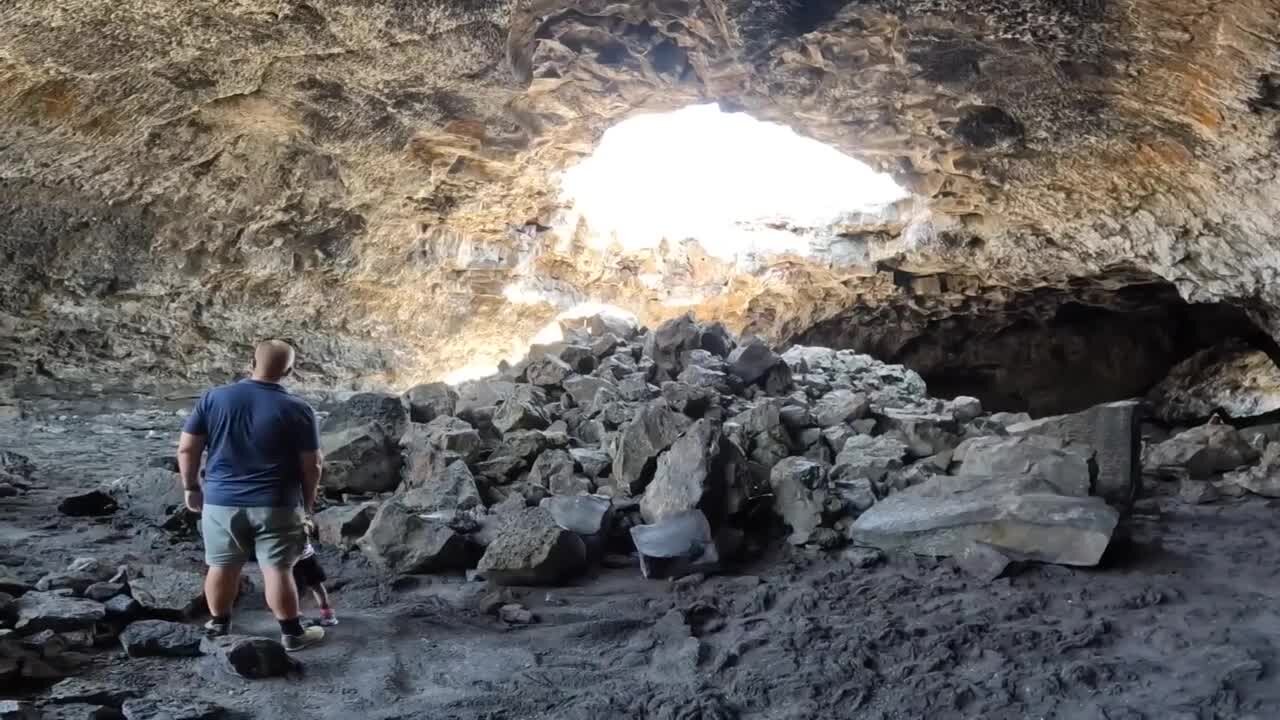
[{"x": 308, "y": 574}]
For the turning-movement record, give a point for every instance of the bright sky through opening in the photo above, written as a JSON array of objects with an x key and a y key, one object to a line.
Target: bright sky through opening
[{"x": 701, "y": 173}]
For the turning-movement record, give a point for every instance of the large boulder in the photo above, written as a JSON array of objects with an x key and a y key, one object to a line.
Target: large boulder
[
  {"x": 683, "y": 477},
  {"x": 1037, "y": 456},
  {"x": 531, "y": 549},
  {"x": 1199, "y": 453},
  {"x": 679, "y": 544},
  {"x": 839, "y": 407},
  {"x": 453, "y": 488},
  {"x": 586, "y": 515},
  {"x": 161, "y": 638},
  {"x": 167, "y": 591},
  {"x": 360, "y": 459},
  {"x": 1018, "y": 515},
  {"x": 253, "y": 658},
  {"x": 752, "y": 361},
  {"x": 1232, "y": 378},
  {"x": 154, "y": 496},
  {"x": 431, "y": 400},
  {"x": 358, "y": 409},
  {"x": 801, "y": 491},
  {"x": 1110, "y": 435},
  {"x": 635, "y": 452},
  {"x": 553, "y": 470},
  {"x": 403, "y": 542},
  {"x": 1261, "y": 479},
  {"x": 872, "y": 458},
  {"x": 924, "y": 433},
  {"x": 342, "y": 525},
  {"x": 38, "y": 611},
  {"x": 516, "y": 413}
]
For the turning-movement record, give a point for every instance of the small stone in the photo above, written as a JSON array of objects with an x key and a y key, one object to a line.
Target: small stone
[
  {"x": 863, "y": 557},
  {"x": 965, "y": 408},
  {"x": 254, "y": 658},
  {"x": 515, "y": 614},
  {"x": 1197, "y": 492},
  {"x": 161, "y": 638},
  {"x": 88, "y": 504},
  {"x": 103, "y": 591},
  {"x": 982, "y": 561}
]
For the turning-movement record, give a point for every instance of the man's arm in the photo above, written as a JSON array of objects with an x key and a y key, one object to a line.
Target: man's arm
[
  {"x": 312, "y": 465},
  {"x": 190, "y": 448}
]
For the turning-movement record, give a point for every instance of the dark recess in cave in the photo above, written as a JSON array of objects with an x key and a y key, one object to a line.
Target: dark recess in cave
[{"x": 1046, "y": 351}]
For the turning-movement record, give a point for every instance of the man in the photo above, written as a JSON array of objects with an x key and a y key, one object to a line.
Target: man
[{"x": 263, "y": 469}]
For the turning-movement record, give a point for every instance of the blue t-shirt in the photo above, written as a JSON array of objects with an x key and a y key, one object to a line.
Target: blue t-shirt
[{"x": 255, "y": 432}]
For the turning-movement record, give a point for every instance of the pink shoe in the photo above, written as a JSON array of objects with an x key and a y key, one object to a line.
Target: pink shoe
[{"x": 328, "y": 618}]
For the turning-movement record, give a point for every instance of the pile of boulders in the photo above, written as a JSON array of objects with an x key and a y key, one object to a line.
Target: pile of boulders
[{"x": 1215, "y": 461}]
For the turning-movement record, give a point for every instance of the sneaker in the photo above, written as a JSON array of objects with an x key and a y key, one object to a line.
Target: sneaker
[
  {"x": 217, "y": 629},
  {"x": 309, "y": 637},
  {"x": 328, "y": 618}
]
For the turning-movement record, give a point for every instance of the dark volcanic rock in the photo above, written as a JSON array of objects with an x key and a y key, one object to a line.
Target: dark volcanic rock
[
  {"x": 531, "y": 549},
  {"x": 254, "y": 658},
  {"x": 88, "y": 504},
  {"x": 637, "y": 447},
  {"x": 582, "y": 514},
  {"x": 77, "y": 690},
  {"x": 52, "y": 611},
  {"x": 161, "y": 638},
  {"x": 683, "y": 475},
  {"x": 801, "y": 491},
  {"x": 167, "y": 591},
  {"x": 680, "y": 544},
  {"x": 517, "y": 414},
  {"x": 155, "y": 496},
  {"x": 752, "y": 361},
  {"x": 1110, "y": 436},
  {"x": 401, "y": 541},
  {"x": 360, "y": 459},
  {"x": 429, "y": 401},
  {"x": 157, "y": 707},
  {"x": 1200, "y": 453},
  {"x": 385, "y": 411},
  {"x": 341, "y": 525}
]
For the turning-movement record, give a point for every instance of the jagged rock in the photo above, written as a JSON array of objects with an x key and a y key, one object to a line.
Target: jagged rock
[
  {"x": 924, "y": 433},
  {"x": 839, "y": 407},
  {"x": 965, "y": 409},
  {"x": 856, "y": 493},
  {"x": 762, "y": 424},
  {"x": 582, "y": 514},
  {"x": 473, "y": 396},
  {"x": 447, "y": 434},
  {"x": 76, "y": 582},
  {"x": 682, "y": 478},
  {"x": 1110, "y": 435},
  {"x": 39, "y": 611},
  {"x": 1040, "y": 456},
  {"x": 254, "y": 658},
  {"x": 159, "y": 707},
  {"x": 160, "y": 638},
  {"x": 90, "y": 503},
  {"x": 676, "y": 546},
  {"x": 155, "y": 496},
  {"x": 552, "y": 468},
  {"x": 982, "y": 561},
  {"x": 637, "y": 447},
  {"x": 531, "y": 549},
  {"x": 751, "y": 361},
  {"x": 366, "y": 408},
  {"x": 692, "y": 400},
  {"x": 1232, "y": 378},
  {"x": 168, "y": 591},
  {"x": 403, "y": 542},
  {"x": 516, "y": 614},
  {"x": 342, "y": 525},
  {"x": 1262, "y": 479},
  {"x": 19, "y": 710},
  {"x": 360, "y": 459},
  {"x": 518, "y": 414},
  {"x": 103, "y": 591},
  {"x": 1017, "y": 515},
  {"x": 431, "y": 400},
  {"x": 454, "y": 487},
  {"x": 548, "y": 371},
  {"x": 1197, "y": 492},
  {"x": 501, "y": 470},
  {"x": 864, "y": 456},
  {"x": 122, "y": 607},
  {"x": 1199, "y": 453},
  {"x": 666, "y": 344},
  {"x": 592, "y": 462},
  {"x": 801, "y": 492},
  {"x": 584, "y": 389},
  {"x": 78, "y": 690}
]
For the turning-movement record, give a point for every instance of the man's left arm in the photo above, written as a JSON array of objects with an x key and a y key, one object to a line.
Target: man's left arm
[{"x": 190, "y": 449}]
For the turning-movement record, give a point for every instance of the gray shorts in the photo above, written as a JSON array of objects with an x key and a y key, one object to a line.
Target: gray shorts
[{"x": 273, "y": 535}]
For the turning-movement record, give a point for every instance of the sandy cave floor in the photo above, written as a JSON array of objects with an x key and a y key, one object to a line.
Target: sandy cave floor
[{"x": 1183, "y": 623}]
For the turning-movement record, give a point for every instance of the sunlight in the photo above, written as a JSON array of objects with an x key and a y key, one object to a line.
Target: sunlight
[{"x": 715, "y": 177}]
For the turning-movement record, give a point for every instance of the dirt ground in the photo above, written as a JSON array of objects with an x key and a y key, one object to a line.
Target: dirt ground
[{"x": 1180, "y": 624}]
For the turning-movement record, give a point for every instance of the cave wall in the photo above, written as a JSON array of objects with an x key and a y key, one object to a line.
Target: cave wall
[{"x": 370, "y": 178}]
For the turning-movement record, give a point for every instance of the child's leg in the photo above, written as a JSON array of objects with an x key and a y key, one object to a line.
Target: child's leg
[{"x": 321, "y": 595}]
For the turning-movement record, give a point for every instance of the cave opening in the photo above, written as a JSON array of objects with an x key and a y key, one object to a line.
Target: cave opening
[{"x": 1048, "y": 351}]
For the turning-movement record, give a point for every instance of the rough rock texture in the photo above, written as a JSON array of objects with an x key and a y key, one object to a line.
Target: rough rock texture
[
  {"x": 254, "y": 658},
  {"x": 401, "y": 541},
  {"x": 1199, "y": 453},
  {"x": 168, "y": 591},
  {"x": 1234, "y": 380},
  {"x": 1109, "y": 436},
  {"x": 212, "y": 175},
  {"x": 161, "y": 638},
  {"x": 531, "y": 549}
]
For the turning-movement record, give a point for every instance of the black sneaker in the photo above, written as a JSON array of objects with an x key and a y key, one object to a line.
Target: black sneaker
[
  {"x": 309, "y": 637},
  {"x": 217, "y": 629}
]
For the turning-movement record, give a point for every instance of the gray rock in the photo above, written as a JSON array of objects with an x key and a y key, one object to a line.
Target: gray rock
[
  {"x": 856, "y": 494},
  {"x": 1013, "y": 514},
  {"x": 692, "y": 400},
  {"x": 168, "y": 591},
  {"x": 431, "y": 400},
  {"x": 161, "y": 638},
  {"x": 523, "y": 444},
  {"x": 452, "y": 488},
  {"x": 924, "y": 433},
  {"x": 548, "y": 371},
  {"x": 862, "y": 557},
  {"x": 864, "y": 456},
  {"x": 637, "y": 447},
  {"x": 678, "y": 545},
  {"x": 965, "y": 408},
  {"x": 666, "y": 345},
  {"x": 154, "y": 496},
  {"x": 584, "y": 389},
  {"x": 571, "y": 485},
  {"x": 342, "y": 525},
  {"x": 552, "y": 468},
  {"x": 1109, "y": 435},
  {"x": 593, "y": 462},
  {"x": 365, "y": 408},
  {"x": 254, "y": 658},
  {"x": 1065, "y": 472},
  {"x": 103, "y": 591},
  {"x": 39, "y": 611},
  {"x": 478, "y": 394},
  {"x": 10, "y": 585},
  {"x": 1262, "y": 479},
  {"x": 91, "y": 503},
  {"x": 161, "y": 707},
  {"x": 531, "y": 549},
  {"x": 581, "y": 514},
  {"x": 122, "y": 607},
  {"x": 19, "y": 710},
  {"x": 76, "y": 582},
  {"x": 1232, "y": 378},
  {"x": 79, "y": 690},
  {"x": 751, "y": 361},
  {"x": 517, "y": 414},
  {"x": 1199, "y": 453},
  {"x": 403, "y": 542},
  {"x": 360, "y": 459},
  {"x": 839, "y": 407},
  {"x": 1197, "y": 492},
  {"x": 516, "y": 614},
  {"x": 982, "y": 562},
  {"x": 801, "y": 492},
  {"x": 447, "y": 434},
  {"x": 78, "y": 711},
  {"x": 683, "y": 475}
]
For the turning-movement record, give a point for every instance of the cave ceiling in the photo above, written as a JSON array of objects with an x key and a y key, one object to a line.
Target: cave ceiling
[{"x": 367, "y": 178}]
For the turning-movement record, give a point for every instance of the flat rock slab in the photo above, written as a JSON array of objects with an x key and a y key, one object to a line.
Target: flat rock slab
[
  {"x": 161, "y": 638},
  {"x": 1111, "y": 435},
  {"x": 77, "y": 690},
  {"x": 1035, "y": 526},
  {"x": 50, "y": 611},
  {"x": 254, "y": 658},
  {"x": 173, "y": 708},
  {"x": 168, "y": 591}
]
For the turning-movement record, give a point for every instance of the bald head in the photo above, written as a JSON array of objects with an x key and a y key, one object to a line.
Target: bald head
[{"x": 272, "y": 360}]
